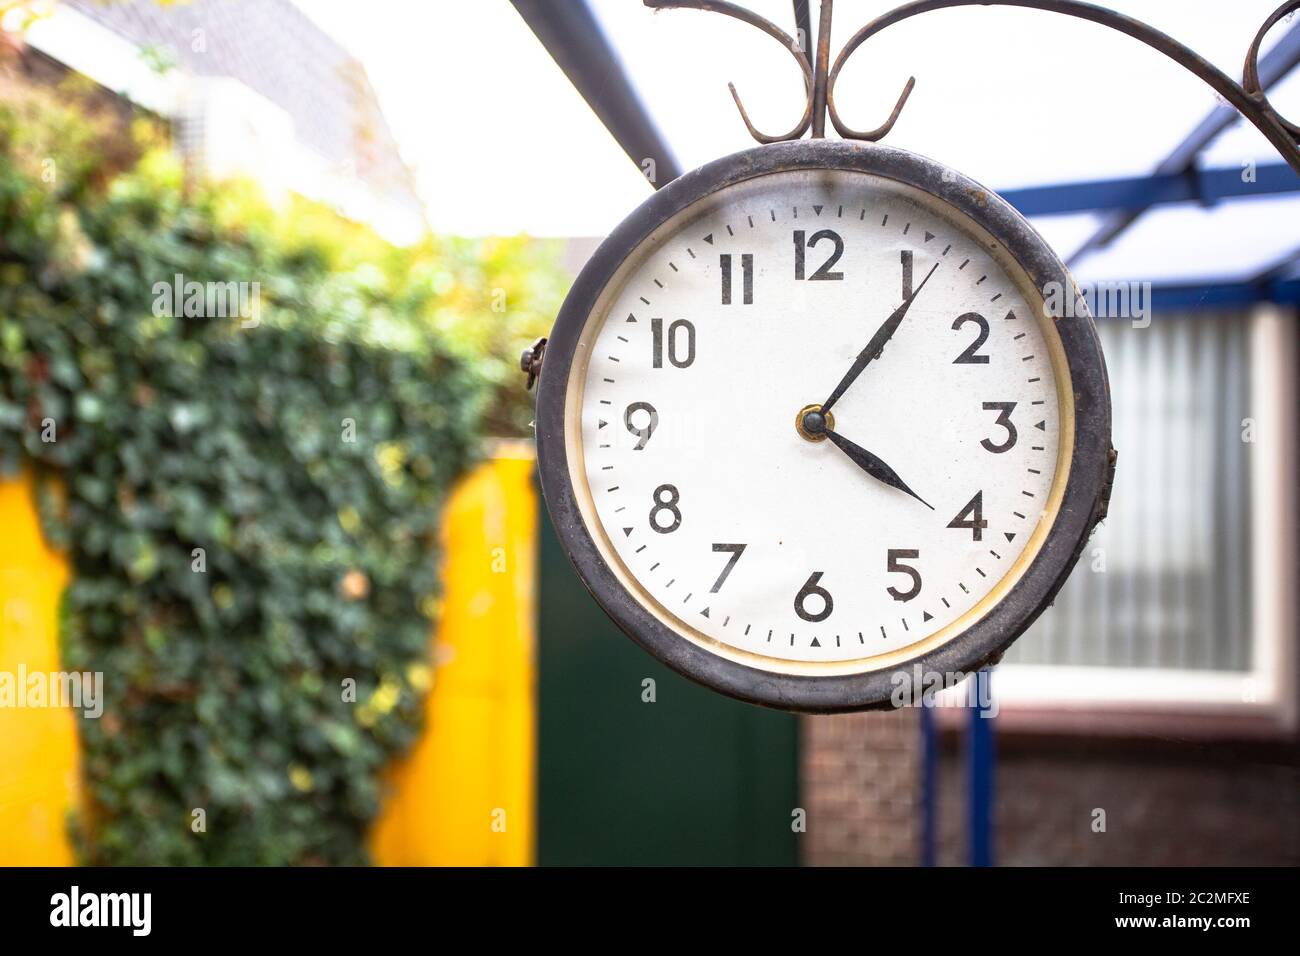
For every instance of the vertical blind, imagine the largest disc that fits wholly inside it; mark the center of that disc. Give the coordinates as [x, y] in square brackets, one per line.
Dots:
[1165, 581]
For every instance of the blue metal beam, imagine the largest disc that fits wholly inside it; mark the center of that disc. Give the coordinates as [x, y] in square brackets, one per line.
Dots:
[1274, 65]
[1224, 295]
[1139, 192]
[1173, 297]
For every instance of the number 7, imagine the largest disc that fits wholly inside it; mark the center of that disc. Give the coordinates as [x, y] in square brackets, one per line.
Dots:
[736, 551]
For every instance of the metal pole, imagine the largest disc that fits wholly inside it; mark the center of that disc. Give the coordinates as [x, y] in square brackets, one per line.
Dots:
[981, 753]
[573, 37]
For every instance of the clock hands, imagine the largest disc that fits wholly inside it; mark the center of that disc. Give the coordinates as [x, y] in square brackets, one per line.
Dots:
[872, 465]
[876, 345]
[816, 423]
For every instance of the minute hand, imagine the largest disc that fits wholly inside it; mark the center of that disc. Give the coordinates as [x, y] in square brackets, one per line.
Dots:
[876, 345]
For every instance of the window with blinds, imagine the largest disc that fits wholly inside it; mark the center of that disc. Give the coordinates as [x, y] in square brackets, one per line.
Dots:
[1166, 581]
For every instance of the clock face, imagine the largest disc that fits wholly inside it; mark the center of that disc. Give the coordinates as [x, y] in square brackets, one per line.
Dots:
[816, 423]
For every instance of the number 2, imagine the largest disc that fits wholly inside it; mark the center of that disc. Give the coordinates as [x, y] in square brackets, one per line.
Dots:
[971, 356]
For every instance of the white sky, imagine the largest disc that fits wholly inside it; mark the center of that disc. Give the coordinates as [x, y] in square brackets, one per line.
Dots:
[501, 143]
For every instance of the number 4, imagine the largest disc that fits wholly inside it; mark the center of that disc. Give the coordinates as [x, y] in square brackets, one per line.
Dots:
[976, 523]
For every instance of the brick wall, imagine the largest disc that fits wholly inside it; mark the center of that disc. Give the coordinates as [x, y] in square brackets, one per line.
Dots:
[860, 783]
[1167, 802]
[1171, 809]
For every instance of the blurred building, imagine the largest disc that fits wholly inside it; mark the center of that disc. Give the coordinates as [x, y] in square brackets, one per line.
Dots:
[252, 88]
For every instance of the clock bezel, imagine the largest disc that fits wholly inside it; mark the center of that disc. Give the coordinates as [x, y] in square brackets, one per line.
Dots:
[984, 640]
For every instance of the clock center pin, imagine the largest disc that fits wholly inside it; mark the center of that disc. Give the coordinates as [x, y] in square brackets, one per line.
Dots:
[811, 423]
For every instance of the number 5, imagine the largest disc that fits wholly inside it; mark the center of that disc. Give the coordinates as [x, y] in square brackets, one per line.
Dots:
[894, 564]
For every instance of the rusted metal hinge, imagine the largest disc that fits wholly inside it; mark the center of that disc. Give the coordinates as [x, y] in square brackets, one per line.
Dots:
[530, 361]
[1103, 506]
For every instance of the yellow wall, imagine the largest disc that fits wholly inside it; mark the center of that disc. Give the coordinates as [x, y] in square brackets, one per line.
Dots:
[38, 746]
[463, 796]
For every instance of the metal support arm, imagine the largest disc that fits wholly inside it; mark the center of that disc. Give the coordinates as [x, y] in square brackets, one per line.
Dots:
[1247, 97]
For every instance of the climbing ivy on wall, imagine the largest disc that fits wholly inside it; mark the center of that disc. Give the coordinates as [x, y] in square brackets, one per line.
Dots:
[249, 502]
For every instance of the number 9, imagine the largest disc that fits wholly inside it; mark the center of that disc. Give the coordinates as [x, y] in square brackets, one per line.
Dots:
[643, 434]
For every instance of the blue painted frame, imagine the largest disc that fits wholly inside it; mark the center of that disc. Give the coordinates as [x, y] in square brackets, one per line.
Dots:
[1206, 186]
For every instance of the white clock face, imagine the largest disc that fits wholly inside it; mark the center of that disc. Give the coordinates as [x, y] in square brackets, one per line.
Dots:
[742, 522]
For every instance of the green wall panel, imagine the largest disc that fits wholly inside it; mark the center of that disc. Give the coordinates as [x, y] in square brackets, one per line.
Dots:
[693, 778]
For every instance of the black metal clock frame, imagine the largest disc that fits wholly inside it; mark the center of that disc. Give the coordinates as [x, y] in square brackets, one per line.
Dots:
[1086, 493]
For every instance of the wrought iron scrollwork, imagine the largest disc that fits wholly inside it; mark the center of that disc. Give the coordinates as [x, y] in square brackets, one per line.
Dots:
[1247, 97]
[1250, 76]
[772, 30]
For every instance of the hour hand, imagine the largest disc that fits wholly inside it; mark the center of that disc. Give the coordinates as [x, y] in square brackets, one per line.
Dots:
[872, 465]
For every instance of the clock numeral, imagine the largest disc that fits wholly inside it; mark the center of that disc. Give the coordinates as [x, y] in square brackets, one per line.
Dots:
[824, 271]
[971, 356]
[746, 278]
[1004, 410]
[906, 257]
[674, 343]
[975, 522]
[642, 434]
[895, 564]
[666, 498]
[736, 551]
[811, 587]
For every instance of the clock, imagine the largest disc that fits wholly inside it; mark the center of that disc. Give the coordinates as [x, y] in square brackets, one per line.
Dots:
[821, 417]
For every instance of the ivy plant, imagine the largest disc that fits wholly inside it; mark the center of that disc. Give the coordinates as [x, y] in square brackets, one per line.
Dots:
[249, 507]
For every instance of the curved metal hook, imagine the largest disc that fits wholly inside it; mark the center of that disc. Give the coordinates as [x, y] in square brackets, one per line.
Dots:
[1250, 75]
[1250, 103]
[871, 136]
[772, 30]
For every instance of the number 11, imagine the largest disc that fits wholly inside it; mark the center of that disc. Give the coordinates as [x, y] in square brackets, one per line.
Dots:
[747, 278]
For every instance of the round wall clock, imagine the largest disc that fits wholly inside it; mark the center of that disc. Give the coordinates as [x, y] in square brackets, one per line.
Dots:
[806, 421]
